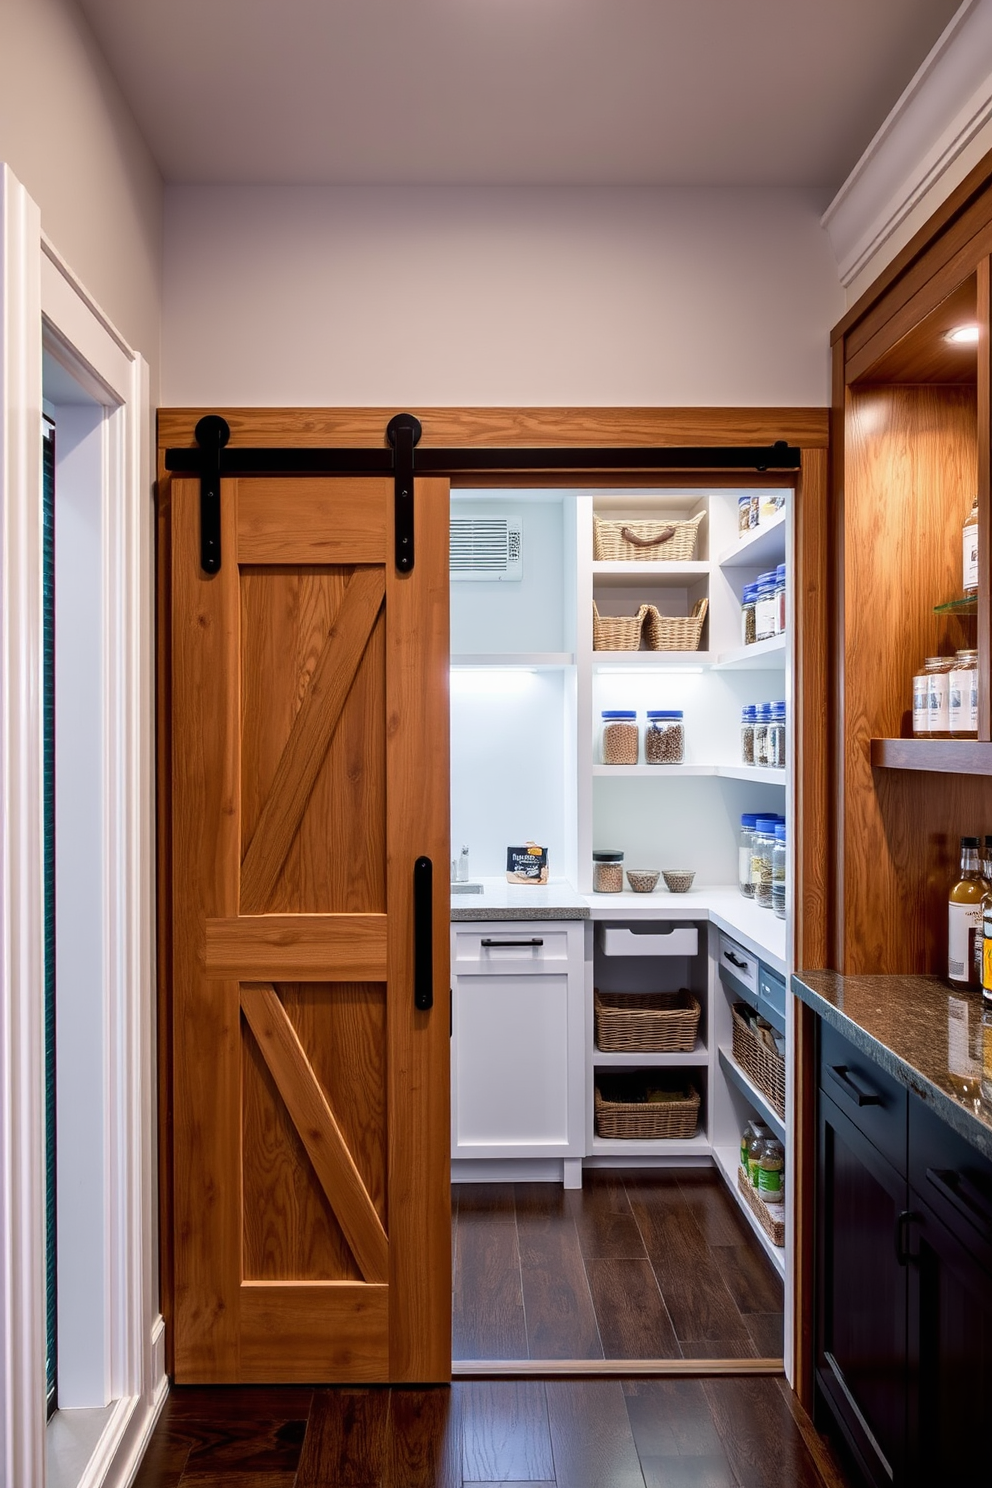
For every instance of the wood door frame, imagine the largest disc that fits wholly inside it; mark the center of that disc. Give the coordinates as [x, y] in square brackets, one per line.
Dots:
[522, 428]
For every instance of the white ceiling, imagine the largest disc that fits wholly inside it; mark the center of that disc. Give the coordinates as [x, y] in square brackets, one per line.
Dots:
[514, 92]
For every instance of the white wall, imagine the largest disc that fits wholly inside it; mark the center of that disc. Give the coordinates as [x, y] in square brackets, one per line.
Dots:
[71, 140]
[326, 296]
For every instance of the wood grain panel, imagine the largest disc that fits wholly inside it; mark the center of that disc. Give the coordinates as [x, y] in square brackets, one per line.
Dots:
[297, 948]
[314, 724]
[205, 1036]
[521, 427]
[418, 823]
[336, 1331]
[911, 472]
[296, 520]
[936, 756]
[424, 1440]
[335, 861]
[346, 1439]
[343, 1030]
[924, 354]
[812, 649]
[318, 1129]
[289, 1228]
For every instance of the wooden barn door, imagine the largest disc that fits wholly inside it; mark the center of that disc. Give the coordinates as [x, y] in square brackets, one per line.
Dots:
[310, 1096]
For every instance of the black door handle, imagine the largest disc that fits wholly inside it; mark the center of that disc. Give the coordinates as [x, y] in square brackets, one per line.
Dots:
[862, 1097]
[535, 940]
[423, 935]
[903, 1221]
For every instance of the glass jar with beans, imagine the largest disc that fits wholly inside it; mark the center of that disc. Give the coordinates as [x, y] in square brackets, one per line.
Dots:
[664, 737]
[619, 736]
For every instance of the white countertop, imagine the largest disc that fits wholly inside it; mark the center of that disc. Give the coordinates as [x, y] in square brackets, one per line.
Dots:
[758, 930]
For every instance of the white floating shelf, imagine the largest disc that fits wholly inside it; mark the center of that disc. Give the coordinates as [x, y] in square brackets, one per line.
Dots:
[651, 661]
[757, 1098]
[761, 655]
[698, 1146]
[657, 772]
[757, 774]
[698, 1058]
[766, 544]
[512, 659]
[656, 575]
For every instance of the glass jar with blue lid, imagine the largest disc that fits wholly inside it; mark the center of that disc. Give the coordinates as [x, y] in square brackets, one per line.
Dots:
[664, 737]
[619, 736]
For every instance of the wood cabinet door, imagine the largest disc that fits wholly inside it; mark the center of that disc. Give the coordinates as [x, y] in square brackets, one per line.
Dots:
[862, 1295]
[310, 1096]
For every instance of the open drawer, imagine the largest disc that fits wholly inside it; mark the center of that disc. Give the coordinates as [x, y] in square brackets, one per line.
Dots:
[653, 940]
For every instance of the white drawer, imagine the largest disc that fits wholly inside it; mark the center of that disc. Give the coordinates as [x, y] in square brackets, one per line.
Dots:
[507, 947]
[620, 940]
[739, 962]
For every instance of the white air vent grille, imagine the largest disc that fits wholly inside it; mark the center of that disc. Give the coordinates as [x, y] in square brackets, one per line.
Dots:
[486, 548]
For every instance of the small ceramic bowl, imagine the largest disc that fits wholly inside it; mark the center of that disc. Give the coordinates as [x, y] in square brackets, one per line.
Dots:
[679, 880]
[642, 880]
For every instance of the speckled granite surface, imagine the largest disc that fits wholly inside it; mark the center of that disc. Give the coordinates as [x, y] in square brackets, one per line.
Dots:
[917, 1030]
[500, 900]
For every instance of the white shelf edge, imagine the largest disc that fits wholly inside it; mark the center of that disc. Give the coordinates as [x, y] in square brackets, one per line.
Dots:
[619, 575]
[512, 658]
[665, 661]
[757, 1097]
[698, 1058]
[673, 1146]
[754, 773]
[770, 652]
[748, 551]
[759, 774]
[727, 1160]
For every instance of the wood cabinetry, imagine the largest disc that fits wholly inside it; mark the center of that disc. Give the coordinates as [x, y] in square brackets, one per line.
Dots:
[904, 1250]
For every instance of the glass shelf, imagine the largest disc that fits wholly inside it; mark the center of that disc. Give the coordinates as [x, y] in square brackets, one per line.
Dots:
[966, 605]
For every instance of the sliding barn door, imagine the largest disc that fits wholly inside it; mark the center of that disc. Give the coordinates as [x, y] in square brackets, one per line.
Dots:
[310, 1096]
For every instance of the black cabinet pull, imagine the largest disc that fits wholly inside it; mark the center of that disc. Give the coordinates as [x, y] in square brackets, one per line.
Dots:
[963, 1194]
[535, 940]
[423, 935]
[735, 960]
[851, 1088]
[903, 1221]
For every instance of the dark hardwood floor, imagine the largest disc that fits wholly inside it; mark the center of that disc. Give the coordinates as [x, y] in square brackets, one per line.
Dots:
[659, 1433]
[639, 1266]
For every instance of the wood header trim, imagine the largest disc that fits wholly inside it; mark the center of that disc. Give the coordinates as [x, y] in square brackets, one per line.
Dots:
[305, 948]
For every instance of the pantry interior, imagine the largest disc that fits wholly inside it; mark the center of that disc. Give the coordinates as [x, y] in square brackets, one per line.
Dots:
[534, 1075]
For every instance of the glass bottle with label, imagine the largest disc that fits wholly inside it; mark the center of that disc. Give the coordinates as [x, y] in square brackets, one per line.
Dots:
[962, 696]
[921, 704]
[969, 551]
[964, 919]
[776, 737]
[938, 675]
[987, 947]
[771, 1171]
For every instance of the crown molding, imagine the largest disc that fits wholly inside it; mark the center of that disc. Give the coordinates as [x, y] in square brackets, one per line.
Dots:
[913, 153]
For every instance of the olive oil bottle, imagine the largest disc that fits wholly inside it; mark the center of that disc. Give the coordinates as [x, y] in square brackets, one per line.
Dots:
[964, 919]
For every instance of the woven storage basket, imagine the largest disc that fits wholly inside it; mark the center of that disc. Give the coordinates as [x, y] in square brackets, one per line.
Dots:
[765, 1067]
[644, 542]
[617, 632]
[764, 1213]
[646, 1022]
[675, 632]
[640, 1119]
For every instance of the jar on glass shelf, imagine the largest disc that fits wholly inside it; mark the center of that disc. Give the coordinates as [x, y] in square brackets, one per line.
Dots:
[745, 841]
[619, 736]
[938, 696]
[762, 847]
[969, 551]
[664, 737]
[749, 632]
[607, 871]
[779, 858]
[962, 696]
[747, 734]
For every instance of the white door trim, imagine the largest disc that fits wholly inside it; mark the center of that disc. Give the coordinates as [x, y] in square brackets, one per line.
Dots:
[41, 300]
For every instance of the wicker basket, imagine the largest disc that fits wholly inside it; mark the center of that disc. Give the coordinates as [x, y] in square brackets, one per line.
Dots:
[675, 632]
[624, 1113]
[640, 542]
[617, 632]
[646, 1022]
[773, 1226]
[763, 1065]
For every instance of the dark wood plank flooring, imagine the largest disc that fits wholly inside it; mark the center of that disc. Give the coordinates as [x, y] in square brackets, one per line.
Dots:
[657, 1433]
[639, 1266]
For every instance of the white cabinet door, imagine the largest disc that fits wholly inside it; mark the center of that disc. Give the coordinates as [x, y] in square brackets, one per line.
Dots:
[517, 1040]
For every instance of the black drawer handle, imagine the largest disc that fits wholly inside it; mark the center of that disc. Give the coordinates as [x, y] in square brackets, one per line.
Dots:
[903, 1253]
[535, 940]
[962, 1194]
[852, 1089]
[735, 960]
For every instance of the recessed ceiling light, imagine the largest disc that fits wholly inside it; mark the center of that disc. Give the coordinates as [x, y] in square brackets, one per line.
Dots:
[965, 335]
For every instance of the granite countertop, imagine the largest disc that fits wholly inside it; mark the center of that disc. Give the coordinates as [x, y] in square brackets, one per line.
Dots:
[919, 1031]
[500, 900]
